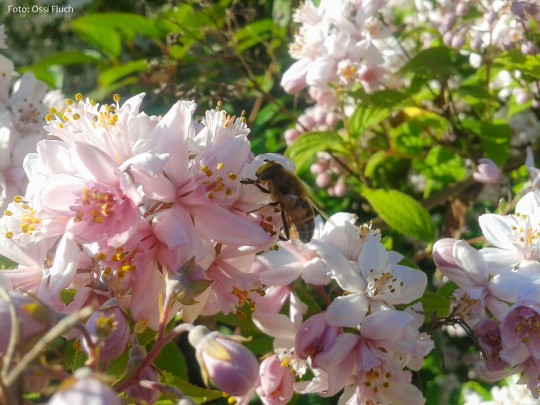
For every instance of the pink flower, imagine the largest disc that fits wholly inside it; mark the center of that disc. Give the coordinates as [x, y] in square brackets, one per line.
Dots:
[109, 329]
[489, 340]
[326, 345]
[520, 329]
[487, 172]
[480, 286]
[93, 201]
[276, 382]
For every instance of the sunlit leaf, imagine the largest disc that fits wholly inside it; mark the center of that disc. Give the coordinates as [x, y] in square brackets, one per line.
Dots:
[402, 213]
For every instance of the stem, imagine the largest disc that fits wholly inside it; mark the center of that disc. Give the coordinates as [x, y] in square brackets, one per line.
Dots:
[14, 333]
[131, 377]
[57, 330]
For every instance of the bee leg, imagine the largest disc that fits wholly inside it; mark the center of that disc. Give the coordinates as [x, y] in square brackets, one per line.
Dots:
[254, 182]
[285, 226]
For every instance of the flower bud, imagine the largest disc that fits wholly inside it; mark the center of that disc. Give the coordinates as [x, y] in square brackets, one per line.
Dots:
[108, 327]
[145, 395]
[224, 361]
[34, 319]
[462, 9]
[323, 180]
[529, 48]
[137, 354]
[84, 388]
[487, 172]
[458, 40]
[290, 135]
[448, 37]
[276, 382]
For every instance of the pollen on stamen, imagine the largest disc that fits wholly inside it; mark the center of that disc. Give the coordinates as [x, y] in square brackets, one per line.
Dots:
[220, 165]
[116, 98]
[53, 110]
[48, 118]
[8, 213]
[232, 176]
[9, 235]
[78, 97]
[219, 104]
[69, 101]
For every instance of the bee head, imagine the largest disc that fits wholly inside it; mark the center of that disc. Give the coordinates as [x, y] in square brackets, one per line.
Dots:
[268, 170]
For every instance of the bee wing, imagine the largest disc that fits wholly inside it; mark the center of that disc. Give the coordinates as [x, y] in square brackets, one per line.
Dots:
[299, 216]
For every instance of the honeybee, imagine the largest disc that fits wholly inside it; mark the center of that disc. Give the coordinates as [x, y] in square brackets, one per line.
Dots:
[287, 191]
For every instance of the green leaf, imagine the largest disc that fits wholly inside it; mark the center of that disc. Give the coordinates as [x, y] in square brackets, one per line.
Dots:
[307, 145]
[496, 138]
[200, 395]
[442, 165]
[528, 65]
[103, 38]
[431, 62]
[171, 359]
[402, 213]
[365, 117]
[437, 304]
[109, 76]
[106, 31]
[256, 33]
[476, 94]
[374, 161]
[71, 58]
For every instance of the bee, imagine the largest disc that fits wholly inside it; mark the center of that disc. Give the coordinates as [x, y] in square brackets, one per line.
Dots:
[287, 191]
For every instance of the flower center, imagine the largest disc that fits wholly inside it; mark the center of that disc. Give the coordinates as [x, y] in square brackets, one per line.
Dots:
[94, 206]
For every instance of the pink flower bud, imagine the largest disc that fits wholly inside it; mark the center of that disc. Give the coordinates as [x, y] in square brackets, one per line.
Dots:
[290, 135]
[85, 388]
[462, 9]
[34, 319]
[224, 361]
[487, 172]
[276, 382]
[108, 327]
[323, 180]
[146, 395]
[305, 123]
[529, 48]
[332, 119]
[340, 189]
[294, 79]
[448, 37]
[318, 168]
[137, 355]
[458, 40]
[443, 253]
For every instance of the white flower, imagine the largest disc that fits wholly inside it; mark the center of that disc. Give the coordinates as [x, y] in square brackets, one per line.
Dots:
[515, 238]
[374, 281]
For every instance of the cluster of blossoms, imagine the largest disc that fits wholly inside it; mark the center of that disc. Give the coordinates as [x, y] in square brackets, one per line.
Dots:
[142, 218]
[141, 210]
[349, 44]
[498, 290]
[360, 343]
